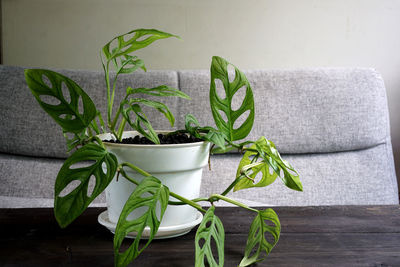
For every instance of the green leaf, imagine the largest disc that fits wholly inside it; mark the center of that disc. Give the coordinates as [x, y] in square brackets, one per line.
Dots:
[215, 136]
[231, 147]
[161, 107]
[67, 208]
[219, 71]
[270, 154]
[76, 140]
[65, 113]
[251, 168]
[210, 229]
[269, 159]
[132, 41]
[191, 125]
[212, 135]
[162, 90]
[218, 150]
[130, 64]
[148, 195]
[139, 121]
[257, 241]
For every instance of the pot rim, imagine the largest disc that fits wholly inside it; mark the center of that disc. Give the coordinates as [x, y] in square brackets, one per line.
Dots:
[133, 133]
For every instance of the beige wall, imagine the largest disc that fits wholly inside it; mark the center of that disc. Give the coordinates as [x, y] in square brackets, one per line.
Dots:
[252, 34]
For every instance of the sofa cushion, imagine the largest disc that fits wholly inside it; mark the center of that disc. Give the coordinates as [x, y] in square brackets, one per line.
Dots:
[25, 178]
[307, 110]
[360, 177]
[28, 130]
[332, 124]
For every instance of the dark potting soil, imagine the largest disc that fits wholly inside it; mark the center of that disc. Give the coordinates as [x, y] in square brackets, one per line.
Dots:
[177, 138]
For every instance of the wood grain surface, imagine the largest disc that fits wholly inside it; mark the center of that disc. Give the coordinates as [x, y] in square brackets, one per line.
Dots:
[311, 236]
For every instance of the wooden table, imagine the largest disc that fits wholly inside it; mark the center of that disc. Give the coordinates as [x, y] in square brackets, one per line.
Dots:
[311, 236]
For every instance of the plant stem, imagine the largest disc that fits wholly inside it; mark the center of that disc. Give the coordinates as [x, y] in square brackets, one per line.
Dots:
[242, 147]
[94, 127]
[229, 188]
[177, 132]
[102, 124]
[187, 201]
[109, 106]
[226, 199]
[98, 140]
[113, 91]
[135, 168]
[121, 129]
[114, 133]
[115, 120]
[129, 178]
[178, 203]
[144, 173]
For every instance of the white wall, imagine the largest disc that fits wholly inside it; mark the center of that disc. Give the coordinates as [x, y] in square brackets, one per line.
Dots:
[252, 34]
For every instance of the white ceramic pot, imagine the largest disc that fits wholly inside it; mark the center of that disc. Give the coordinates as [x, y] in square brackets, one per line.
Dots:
[177, 166]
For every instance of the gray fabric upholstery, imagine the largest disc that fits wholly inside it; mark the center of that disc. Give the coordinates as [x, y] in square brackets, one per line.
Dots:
[29, 181]
[340, 178]
[29, 202]
[28, 130]
[306, 111]
[331, 124]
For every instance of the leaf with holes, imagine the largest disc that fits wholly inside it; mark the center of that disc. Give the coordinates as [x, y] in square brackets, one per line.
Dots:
[75, 140]
[67, 208]
[250, 167]
[137, 39]
[210, 229]
[212, 135]
[130, 64]
[215, 137]
[149, 194]
[162, 90]
[219, 71]
[65, 113]
[270, 154]
[257, 241]
[161, 107]
[141, 119]
[191, 125]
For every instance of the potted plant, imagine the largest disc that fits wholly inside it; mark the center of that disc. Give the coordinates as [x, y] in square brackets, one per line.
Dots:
[177, 166]
[96, 145]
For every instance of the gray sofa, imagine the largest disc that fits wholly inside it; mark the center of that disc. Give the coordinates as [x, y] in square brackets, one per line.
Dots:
[331, 124]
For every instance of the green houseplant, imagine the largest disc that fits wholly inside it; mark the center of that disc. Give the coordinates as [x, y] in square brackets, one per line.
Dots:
[82, 124]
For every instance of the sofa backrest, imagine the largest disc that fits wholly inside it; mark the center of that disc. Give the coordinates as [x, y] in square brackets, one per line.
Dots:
[302, 111]
[308, 110]
[27, 130]
[332, 124]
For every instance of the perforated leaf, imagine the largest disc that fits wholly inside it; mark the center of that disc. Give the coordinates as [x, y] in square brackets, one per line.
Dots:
[149, 194]
[132, 41]
[192, 124]
[75, 140]
[212, 135]
[269, 162]
[161, 107]
[210, 230]
[215, 137]
[219, 71]
[129, 64]
[64, 109]
[67, 208]
[139, 122]
[257, 241]
[251, 168]
[270, 154]
[162, 90]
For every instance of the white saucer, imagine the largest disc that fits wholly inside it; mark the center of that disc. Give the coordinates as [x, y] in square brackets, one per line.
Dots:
[163, 232]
